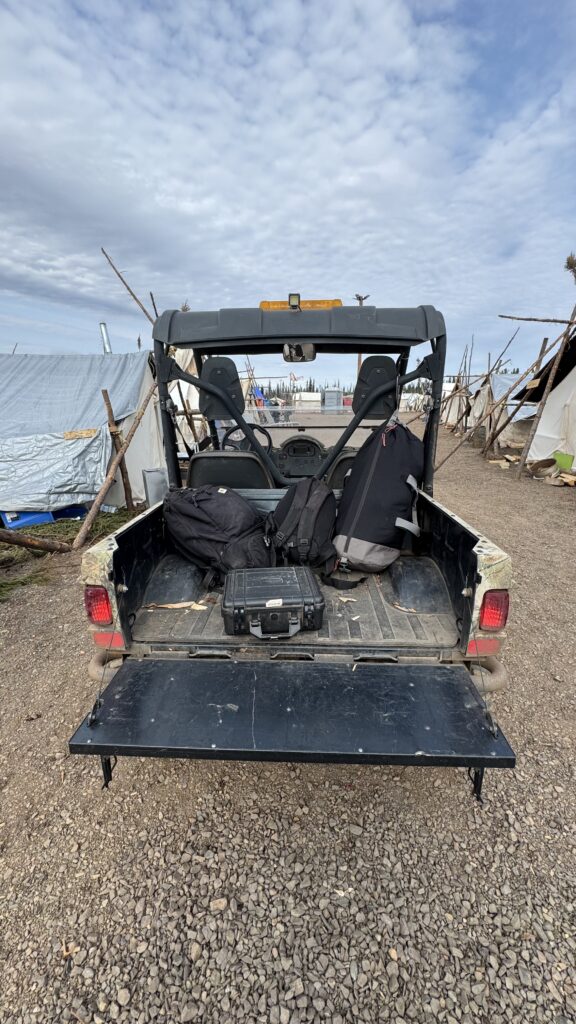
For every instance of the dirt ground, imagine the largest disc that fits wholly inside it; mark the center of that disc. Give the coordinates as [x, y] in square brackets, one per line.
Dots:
[246, 892]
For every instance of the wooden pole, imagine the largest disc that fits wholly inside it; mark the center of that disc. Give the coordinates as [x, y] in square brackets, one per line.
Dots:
[499, 427]
[467, 376]
[538, 319]
[153, 301]
[116, 441]
[23, 540]
[109, 480]
[502, 400]
[127, 287]
[503, 352]
[540, 354]
[498, 430]
[566, 338]
[360, 300]
[187, 414]
[468, 367]
[463, 415]
[492, 368]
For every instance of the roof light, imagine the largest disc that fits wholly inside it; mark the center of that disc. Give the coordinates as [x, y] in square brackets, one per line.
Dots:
[494, 610]
[97, 605]
[276, 306]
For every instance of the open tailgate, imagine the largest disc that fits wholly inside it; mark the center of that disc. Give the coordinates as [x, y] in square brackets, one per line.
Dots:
[294, 711]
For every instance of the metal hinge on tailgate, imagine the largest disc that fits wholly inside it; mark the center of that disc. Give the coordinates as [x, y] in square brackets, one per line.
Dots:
[419, 659]
[377, 658]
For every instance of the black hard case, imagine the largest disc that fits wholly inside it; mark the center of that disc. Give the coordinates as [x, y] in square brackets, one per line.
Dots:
[272, 603]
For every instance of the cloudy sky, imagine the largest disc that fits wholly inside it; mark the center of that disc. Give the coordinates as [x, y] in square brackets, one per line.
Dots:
[422, 151]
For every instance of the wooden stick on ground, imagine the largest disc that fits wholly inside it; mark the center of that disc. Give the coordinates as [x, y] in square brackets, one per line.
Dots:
[109, 480]
[501, 401]
[566, 338]
[127, 287]
[23, 540]
[116, 441]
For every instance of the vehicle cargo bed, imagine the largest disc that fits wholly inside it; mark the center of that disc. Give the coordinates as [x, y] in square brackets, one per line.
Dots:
[407, 606]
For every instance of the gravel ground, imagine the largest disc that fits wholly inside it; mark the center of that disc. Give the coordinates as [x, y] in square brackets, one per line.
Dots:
[257, 893]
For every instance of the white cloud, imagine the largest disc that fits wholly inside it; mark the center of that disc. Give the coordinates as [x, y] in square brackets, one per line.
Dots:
[224, 152]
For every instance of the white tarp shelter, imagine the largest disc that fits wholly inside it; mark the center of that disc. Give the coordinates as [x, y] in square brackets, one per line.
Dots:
[493, 388]
[182, 390]
[557, 428]
[307, 399]
[412, 401]
[55, 445]
[454, 404]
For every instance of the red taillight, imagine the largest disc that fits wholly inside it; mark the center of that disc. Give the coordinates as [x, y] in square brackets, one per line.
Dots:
[97, 605]
[494, 610]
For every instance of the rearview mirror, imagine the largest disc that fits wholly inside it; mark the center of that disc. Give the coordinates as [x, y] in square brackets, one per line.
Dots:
[299, 352]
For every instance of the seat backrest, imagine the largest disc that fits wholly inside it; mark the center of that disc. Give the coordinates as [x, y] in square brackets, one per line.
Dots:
[240, 470]
[221, 371]
[376, 370]
[339, 469]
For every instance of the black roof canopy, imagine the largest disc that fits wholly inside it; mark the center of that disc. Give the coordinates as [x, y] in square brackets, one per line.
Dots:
[342, 328]
[565, 366]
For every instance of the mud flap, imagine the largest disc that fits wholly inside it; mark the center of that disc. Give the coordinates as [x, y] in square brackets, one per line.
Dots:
[273, 711]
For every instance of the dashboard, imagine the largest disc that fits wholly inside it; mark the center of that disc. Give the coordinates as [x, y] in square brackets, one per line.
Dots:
[300, 456]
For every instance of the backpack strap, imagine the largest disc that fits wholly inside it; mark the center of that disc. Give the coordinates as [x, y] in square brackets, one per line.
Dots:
[405, 524]
[305, 534]
[342, 584]
[289, 524]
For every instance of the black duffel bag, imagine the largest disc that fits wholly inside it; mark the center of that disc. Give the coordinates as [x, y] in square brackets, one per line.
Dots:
[216, 528]
[378, 506]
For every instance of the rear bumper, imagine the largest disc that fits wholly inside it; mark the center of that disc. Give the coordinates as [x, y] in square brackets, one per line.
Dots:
[429, 715]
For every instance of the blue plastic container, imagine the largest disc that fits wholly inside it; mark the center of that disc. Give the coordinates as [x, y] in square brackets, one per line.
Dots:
[21, 520]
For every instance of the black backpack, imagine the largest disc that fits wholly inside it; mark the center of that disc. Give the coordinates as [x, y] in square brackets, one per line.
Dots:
[378, 505]
[301, 527]
[216, 528]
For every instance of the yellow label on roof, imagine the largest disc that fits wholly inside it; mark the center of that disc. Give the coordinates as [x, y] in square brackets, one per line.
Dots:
[272, 307]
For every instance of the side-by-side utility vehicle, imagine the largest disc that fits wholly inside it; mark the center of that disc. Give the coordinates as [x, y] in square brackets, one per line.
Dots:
[402, 668]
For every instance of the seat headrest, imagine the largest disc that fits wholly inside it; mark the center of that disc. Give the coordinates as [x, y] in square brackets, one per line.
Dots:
[220, 371]
[376, 370]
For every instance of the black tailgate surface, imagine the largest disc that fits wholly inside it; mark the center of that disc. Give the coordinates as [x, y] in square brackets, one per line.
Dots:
[294, 711]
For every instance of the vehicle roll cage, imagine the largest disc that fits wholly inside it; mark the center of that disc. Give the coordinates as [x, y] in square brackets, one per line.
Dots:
[430, 368]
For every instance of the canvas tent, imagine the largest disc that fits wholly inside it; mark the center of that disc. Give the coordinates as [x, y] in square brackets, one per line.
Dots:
[182, 391]
[494, 387]
[557, 428]
[412, 401]
[455, 397]
[54, 440]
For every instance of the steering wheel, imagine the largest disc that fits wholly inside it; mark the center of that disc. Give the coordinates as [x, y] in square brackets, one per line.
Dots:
[238, 445]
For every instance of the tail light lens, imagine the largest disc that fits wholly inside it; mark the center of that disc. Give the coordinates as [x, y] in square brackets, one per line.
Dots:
[97, 605]
[494, 610]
